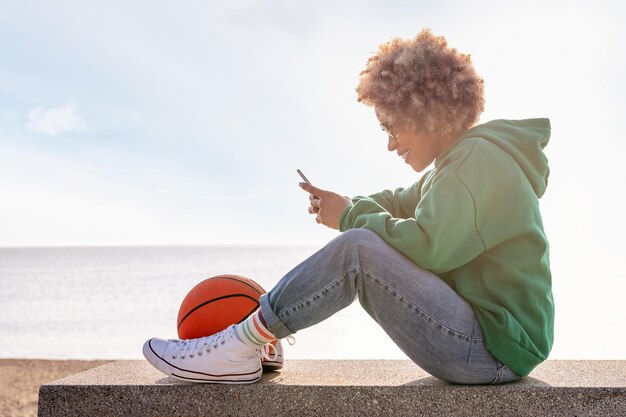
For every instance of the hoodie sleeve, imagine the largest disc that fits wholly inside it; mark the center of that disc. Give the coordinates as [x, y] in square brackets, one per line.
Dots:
[442, 235]
[399, 203]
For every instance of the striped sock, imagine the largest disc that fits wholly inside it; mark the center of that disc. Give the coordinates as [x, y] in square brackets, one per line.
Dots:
[253, 332]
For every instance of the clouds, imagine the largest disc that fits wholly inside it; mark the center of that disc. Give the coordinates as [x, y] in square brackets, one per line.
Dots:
[240, 94]
[55, 120]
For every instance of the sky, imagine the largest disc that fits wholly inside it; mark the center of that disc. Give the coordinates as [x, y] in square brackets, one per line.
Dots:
[153, 122]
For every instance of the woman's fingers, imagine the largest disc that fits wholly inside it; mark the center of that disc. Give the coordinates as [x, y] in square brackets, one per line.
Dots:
[314, 208]
[334, 204]
[314, 204]
[311, 189]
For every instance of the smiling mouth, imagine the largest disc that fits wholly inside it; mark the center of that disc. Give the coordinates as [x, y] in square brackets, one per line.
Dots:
[404, 154]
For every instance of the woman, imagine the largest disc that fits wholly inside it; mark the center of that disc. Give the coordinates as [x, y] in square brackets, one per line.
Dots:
[454, 268]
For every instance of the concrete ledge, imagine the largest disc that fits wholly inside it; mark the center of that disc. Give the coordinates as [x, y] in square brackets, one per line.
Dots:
[339, 388]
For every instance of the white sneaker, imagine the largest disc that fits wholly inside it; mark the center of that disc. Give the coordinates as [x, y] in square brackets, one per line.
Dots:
[273, 358]
[220, 359]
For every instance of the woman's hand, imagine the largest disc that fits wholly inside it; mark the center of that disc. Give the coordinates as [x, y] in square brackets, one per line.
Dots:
[326, 205]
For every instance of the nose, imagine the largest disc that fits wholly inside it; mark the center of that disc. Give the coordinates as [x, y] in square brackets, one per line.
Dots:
[391, 143]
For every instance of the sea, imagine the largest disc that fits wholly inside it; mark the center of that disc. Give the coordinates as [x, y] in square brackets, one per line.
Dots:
[104, 302]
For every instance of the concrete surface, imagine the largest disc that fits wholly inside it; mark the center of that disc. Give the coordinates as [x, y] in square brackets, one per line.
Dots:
[340, 388]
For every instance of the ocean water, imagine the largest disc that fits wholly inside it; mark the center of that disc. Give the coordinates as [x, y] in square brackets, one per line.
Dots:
[104, 302]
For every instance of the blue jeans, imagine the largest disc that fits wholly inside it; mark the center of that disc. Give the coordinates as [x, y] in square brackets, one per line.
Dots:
[434, 326]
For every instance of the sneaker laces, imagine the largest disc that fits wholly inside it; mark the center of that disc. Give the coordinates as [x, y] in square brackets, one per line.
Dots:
[192, 347]
[264, 353]
[269, 352]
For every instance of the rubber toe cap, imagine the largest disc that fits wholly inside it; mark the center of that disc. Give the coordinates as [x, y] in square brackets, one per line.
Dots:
[154, 347]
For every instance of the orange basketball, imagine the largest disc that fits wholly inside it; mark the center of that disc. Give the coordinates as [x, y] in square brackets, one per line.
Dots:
[216, 303]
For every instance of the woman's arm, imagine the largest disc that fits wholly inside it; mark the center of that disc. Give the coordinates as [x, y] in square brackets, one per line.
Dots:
[400, 203]
[440, 236]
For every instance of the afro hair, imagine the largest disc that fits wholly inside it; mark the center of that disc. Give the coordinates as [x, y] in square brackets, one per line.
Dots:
[423, 84]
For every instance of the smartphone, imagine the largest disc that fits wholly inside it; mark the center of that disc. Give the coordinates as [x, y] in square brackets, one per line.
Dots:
[303, 177]
[306, 180]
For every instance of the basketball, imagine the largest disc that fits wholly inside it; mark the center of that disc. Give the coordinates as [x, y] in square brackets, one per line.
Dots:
[216, 303]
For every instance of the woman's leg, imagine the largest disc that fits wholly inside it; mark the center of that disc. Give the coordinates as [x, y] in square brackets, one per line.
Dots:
[426, 318]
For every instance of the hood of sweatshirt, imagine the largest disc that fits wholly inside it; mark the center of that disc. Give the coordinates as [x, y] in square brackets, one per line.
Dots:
[524, 140]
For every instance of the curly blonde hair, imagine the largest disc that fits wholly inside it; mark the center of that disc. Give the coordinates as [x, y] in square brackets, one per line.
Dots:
[423, 84]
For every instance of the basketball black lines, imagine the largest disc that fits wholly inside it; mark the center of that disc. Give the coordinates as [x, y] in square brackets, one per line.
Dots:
[217, 299]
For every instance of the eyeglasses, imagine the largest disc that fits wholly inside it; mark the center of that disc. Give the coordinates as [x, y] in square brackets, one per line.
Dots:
[387, 131]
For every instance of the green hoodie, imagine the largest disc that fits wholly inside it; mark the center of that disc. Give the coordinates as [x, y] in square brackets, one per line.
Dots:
[474, 220]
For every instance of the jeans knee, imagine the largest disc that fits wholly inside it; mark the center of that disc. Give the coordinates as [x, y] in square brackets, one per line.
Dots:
[361, 242]
[359, 235]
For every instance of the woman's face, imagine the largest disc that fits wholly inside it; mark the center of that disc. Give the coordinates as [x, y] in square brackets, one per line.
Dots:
[419, 152]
